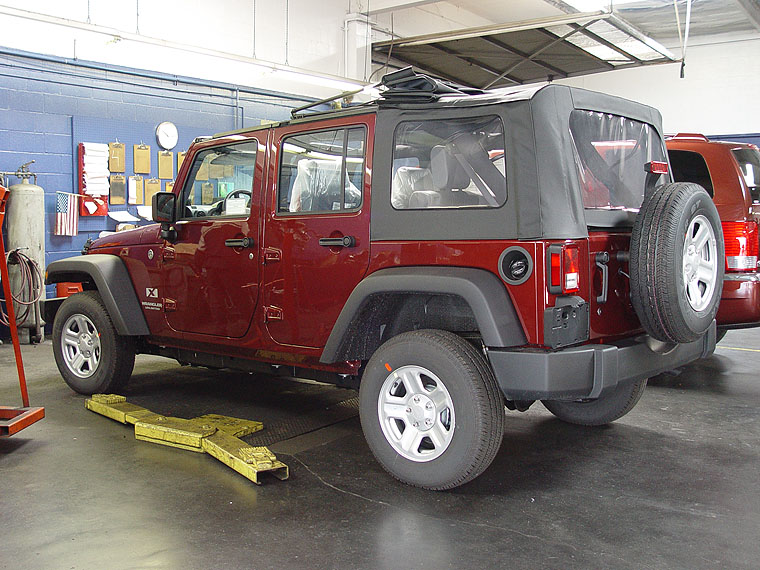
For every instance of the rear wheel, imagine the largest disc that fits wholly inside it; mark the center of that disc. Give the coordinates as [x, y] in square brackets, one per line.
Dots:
[431, 410]
[610, 406]
[91, 356]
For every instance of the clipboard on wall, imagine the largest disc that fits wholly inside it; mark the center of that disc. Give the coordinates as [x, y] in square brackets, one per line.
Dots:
[180, 159]
[166, 164]
[152, 186]
[116, 157]
[141, 158]
[135, 190]
[118, 189]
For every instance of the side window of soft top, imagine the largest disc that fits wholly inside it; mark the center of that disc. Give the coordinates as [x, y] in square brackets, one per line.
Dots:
[220, 182]
[322, 171]
[449, 163]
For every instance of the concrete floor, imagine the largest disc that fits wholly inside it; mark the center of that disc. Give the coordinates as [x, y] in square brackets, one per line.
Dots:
[674, 484]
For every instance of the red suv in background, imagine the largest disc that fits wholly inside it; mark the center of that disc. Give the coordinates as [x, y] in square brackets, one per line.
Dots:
[730, 172]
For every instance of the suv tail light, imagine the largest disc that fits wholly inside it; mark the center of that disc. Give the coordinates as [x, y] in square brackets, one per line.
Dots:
[564, 269]
[741, 246]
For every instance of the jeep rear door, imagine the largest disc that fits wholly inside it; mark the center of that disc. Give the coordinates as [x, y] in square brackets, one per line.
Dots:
[316, 234]
[211, 272]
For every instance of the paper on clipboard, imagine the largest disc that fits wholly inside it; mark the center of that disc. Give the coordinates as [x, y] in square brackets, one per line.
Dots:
[165, 164]
[216, 171]
[207, 193]
[152, 186]
[118, 189]
[135, 187]
[141, 158]
[116, 156]
[202, 173]
[180, 158]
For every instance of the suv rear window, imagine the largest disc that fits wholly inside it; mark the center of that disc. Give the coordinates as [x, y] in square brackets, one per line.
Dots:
[689, 166]
[449, 163]
[610, 153]
[749, 162]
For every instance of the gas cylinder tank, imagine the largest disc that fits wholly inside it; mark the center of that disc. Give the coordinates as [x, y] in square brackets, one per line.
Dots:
[25, 224]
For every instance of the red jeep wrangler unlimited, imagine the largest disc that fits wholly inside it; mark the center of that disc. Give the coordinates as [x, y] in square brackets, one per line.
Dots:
[451, 253]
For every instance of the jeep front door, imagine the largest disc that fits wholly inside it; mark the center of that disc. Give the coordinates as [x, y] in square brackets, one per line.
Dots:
[211, 272]
[316, 239]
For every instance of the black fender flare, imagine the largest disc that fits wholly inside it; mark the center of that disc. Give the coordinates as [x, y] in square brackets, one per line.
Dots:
[483, 291]
[111, 278]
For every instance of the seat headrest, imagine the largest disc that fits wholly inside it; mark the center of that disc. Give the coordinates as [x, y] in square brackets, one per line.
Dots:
[447, 173]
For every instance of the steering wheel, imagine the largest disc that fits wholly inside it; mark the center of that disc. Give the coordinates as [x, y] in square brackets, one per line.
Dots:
[236, 193]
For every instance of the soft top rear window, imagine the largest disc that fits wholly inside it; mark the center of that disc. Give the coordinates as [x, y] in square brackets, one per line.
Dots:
[610, 153]
[749, 162]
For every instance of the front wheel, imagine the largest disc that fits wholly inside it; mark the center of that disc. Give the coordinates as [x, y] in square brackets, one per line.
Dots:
[91, 356]
[431, 410]
[610, 406]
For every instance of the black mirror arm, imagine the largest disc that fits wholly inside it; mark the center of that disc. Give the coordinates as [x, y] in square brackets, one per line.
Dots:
[168, 232]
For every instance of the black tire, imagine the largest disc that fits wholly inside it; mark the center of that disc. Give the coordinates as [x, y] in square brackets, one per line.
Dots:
[661, 295]
[81, 317]
[720, 333]
[475, 418]
[609, 407]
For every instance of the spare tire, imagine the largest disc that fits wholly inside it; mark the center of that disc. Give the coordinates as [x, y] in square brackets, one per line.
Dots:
[677, 262]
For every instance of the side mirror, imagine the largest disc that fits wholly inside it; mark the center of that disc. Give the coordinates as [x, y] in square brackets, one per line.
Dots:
[164, 212]
[163, 207]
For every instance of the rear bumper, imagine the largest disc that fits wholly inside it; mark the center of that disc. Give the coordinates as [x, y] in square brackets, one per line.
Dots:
[586, 371]
[740, 301]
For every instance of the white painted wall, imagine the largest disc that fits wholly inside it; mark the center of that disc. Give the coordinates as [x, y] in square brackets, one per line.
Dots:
[720, 93]
[239, 39]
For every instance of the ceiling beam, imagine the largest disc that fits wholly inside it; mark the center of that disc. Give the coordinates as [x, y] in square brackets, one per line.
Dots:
[599, 39]
[752, 9]
[383, 6]
[581, 19]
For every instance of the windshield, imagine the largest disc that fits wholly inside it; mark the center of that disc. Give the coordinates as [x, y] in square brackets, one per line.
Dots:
[610, 153]
[749, 163]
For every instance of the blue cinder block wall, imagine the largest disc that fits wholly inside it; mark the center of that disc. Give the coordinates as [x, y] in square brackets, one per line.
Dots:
[48, 105]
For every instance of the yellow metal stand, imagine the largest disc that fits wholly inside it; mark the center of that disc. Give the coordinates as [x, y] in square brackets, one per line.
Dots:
[213, 434]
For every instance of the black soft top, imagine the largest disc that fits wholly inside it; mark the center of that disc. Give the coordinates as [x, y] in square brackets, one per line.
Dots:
[544, 194]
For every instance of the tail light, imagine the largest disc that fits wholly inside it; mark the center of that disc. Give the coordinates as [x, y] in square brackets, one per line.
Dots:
[741, 246]
[564, 269]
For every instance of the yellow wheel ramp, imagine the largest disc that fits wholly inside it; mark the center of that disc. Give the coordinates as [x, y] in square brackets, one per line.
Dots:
[213, 434]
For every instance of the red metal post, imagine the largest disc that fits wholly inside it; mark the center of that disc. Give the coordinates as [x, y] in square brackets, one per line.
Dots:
[9, 302]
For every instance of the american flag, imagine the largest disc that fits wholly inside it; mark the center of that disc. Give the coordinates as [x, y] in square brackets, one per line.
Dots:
[66, 214]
